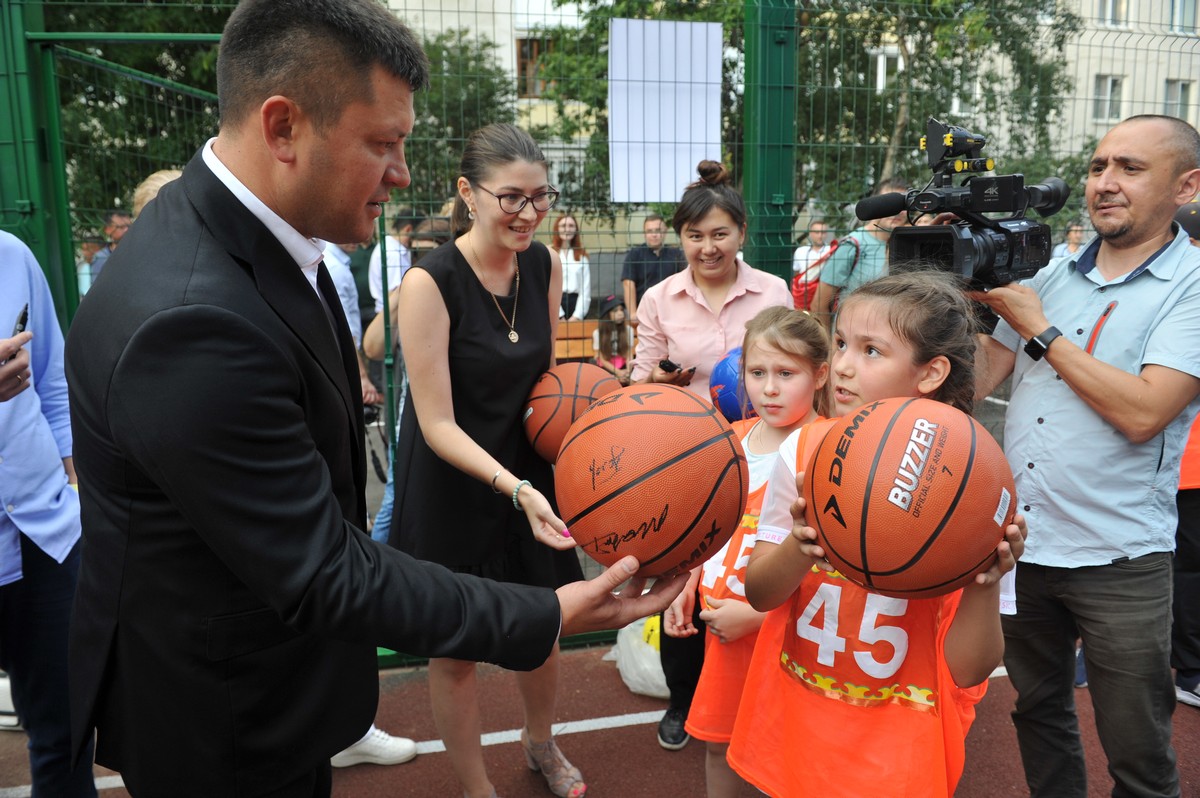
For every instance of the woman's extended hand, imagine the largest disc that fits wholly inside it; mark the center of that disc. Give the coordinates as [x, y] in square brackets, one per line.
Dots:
[547, 527]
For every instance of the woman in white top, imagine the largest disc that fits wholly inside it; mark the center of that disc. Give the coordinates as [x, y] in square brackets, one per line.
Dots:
[577, 277]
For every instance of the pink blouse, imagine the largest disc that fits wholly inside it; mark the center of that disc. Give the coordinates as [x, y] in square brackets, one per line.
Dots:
[674, 321]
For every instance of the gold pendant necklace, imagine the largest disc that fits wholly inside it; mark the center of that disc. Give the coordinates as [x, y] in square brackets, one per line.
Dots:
[512, 333]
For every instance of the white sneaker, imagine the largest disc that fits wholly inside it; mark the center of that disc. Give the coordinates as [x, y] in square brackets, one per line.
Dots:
[377, 748]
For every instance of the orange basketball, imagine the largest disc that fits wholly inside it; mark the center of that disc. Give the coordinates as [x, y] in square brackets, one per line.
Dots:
[558, 398]
[653, 471]
[909, 497]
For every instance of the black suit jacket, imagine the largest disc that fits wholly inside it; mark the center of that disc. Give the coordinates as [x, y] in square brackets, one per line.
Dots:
[228, 606]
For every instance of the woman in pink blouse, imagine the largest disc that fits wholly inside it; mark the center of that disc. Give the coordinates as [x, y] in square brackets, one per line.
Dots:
[695, 317]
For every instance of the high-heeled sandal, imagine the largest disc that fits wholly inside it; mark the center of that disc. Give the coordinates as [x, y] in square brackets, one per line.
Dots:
[563, 778]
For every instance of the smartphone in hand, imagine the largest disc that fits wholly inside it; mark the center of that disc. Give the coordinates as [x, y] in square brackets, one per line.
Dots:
[19, 327]
[22, 320]
[668, 366]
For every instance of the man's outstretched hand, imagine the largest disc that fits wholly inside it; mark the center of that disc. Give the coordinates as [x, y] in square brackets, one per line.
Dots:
[593, 605]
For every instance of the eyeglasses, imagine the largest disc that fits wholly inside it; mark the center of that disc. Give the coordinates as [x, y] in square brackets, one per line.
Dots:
[515, 203]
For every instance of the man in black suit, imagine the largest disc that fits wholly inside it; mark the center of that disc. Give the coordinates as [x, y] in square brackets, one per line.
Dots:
[228, 608]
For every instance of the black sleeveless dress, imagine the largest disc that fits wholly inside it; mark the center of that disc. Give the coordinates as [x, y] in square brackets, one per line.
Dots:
[442, 514]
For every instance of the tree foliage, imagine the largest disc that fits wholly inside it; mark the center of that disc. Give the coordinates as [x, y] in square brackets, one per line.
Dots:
[468, 89]
[1000, 64]
[118, 126]
[577, 67]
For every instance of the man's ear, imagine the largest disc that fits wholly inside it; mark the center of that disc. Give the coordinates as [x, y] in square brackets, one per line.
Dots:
[280, 119]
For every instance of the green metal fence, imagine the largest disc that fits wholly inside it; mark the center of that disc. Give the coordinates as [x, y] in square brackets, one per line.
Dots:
[816, 100]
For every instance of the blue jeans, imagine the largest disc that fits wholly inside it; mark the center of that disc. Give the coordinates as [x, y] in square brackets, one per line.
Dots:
[1123, 613]
[35, 612]
[383, 519]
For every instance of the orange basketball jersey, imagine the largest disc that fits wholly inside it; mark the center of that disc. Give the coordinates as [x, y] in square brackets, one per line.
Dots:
[848, 691]
[723, 576]
[1189, 469]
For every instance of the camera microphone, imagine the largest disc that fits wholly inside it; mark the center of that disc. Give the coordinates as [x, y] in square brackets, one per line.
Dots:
[881, 206]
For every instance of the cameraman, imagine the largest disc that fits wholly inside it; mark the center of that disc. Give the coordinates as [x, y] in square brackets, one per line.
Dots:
[1116, 389]
[860, 257]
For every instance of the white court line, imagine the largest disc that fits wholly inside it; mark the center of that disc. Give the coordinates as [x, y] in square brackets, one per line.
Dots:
[491, 738]
[557, 729]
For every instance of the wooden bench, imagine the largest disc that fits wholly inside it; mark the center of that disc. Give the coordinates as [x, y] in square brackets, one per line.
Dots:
[574, 340]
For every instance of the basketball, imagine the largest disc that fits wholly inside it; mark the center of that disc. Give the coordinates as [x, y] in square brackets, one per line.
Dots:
[909, 497]
[725, 387]
[652, 471]
[558, 398]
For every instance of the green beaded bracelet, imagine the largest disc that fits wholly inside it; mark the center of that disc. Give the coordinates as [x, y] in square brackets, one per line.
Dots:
[517, 490]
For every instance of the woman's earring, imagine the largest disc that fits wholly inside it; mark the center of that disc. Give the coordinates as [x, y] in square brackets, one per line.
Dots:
[471, 215]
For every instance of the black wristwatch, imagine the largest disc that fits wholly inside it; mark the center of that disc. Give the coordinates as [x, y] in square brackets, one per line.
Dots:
[1039, 344]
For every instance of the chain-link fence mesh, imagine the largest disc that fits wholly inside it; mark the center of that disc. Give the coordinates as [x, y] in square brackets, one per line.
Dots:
[1042, 80]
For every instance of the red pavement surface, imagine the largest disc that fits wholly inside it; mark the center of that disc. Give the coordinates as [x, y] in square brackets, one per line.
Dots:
[627, 762]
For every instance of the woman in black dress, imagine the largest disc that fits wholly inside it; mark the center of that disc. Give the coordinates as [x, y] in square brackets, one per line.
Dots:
[477, 319]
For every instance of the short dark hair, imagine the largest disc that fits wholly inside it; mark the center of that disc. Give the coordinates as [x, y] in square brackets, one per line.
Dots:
[892, 184]
[712, 190]
[111, 215]
[406, 216]
[1184, 141]
[319, 53]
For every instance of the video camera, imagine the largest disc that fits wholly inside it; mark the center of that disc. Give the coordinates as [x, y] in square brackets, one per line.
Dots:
[988, 252]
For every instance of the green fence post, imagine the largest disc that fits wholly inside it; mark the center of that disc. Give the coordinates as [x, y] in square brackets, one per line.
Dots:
[25, 174]
[770, 146]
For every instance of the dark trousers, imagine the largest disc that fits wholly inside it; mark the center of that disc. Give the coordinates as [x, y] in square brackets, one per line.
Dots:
[1122, 612]
[1185, 609]
[35, 613]
[682, 658]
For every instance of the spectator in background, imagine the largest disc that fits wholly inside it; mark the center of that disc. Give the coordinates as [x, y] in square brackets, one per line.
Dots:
[807, 261]
[88, 247]
[577, 276]
[337, 262]
[39, 525]
[648, 264]
[1116, 387]
[116, 222]
[148, 189]
[428, 236]
[1073, 244]
[398, 257]
[861, 256]
[1185, 606]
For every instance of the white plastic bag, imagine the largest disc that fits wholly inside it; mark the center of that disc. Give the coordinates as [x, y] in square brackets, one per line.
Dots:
[637, 658]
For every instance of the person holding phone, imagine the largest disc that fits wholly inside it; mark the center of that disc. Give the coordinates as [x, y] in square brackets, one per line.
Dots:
[688, 322]
[39, 523]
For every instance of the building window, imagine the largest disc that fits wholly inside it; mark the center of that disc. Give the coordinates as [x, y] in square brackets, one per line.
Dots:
[1107, 104]
[1183, 15]
[1114, 12]
[888, 64]
[1179, 99]
[529, 79]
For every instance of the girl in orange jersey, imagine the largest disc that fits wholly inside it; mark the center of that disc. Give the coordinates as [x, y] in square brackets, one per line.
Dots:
[784, 372]
[851, 693]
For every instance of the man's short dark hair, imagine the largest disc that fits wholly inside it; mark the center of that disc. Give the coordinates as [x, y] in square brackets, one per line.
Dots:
[1184, 141]
[892, 184]
[112, 214]
[405, 217]
[319, 53]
